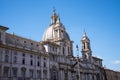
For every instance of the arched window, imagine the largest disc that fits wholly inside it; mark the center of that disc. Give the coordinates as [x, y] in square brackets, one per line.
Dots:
[84, 45]
[23, 61]
[31, 62]
[38, 63]
[44, 64]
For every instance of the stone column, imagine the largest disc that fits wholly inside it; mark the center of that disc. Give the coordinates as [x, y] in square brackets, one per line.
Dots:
[81, 76]
[27, 73]
[86, 77]
[18, 72]
[90, 76]
[62, 75]
[41, 59]
[69, 75]
[48, 69]
[94, 76]
[1, 71]
[58, 33]
[85, 45]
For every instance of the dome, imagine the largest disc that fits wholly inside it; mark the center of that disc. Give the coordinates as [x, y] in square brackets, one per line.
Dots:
[55, 32]
[48, 34]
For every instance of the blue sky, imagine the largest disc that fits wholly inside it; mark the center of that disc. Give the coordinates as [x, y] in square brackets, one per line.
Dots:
[99, 18]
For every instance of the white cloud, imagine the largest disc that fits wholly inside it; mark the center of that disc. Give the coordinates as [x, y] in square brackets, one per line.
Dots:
[116, 62]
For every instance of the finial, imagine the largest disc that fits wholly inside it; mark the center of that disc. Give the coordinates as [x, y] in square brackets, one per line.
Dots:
[84, 33]
[54, 9]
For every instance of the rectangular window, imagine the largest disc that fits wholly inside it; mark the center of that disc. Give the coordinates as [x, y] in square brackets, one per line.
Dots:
[52, 48]
[63, 50]
[31, 73]
[14, 70]
[23, 72]
[6, 58]
[56, 49]
[6, 70]
[44, 74]
[15, 59]
[38, 73]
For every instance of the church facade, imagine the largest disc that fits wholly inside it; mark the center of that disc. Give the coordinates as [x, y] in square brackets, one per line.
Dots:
[50, 59]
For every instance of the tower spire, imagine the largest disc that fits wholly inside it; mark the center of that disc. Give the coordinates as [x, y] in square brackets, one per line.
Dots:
[86, 49]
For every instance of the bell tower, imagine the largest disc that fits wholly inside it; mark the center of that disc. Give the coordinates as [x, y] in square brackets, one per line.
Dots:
[86, 49]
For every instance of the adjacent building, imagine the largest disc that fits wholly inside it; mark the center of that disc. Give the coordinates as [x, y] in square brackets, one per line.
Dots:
[111, 74]
[50, 59]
